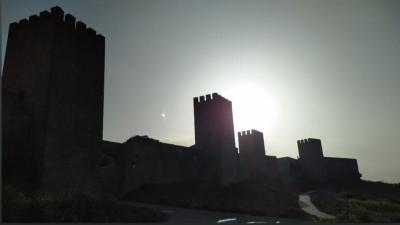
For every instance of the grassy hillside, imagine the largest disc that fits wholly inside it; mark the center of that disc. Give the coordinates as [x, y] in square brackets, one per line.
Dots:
[366, 202]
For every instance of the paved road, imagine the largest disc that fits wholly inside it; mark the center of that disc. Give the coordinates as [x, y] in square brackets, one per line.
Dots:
[183, 215]
[307, 206]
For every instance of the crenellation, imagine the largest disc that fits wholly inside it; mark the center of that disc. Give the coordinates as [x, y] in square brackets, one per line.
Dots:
[242, 133]
[302, 141]
[70, 20]
[256, 132]
[249, 132]
[218, 97]
[91, 32]
[214, 97]
[100, 38]
[80, 26]
[57, 13]
[44, 14]
[13, 26]
[308, 140]
[34, 18]
[24, 22]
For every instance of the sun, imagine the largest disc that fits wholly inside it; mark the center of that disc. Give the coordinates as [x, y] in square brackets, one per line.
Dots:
[253, 107]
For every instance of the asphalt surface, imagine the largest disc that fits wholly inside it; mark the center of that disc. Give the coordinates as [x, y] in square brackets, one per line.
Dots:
[184, 215]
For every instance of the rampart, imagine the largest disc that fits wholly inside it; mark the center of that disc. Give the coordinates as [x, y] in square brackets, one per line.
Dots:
[52, 124]
[141, 160]
[342, 170]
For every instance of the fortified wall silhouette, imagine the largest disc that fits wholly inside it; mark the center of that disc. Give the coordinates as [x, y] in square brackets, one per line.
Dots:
[312, 159]
[52, 92]
[213, 160]
[52, 98]
[252, 154]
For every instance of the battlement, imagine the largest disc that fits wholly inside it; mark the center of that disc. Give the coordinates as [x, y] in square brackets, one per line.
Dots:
[310, 147]
[249, 132]
[209, 98]
[251, 152]
[213, 124]
[57, 14]
[308, 140]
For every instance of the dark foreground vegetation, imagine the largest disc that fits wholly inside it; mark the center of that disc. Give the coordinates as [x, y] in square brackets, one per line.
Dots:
[243, 197]
[70, 207]
[364, 202]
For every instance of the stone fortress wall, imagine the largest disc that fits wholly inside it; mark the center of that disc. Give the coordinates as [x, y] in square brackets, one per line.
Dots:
[52, 96]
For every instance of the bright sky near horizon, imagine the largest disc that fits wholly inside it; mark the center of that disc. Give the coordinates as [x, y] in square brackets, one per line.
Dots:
[292, 69]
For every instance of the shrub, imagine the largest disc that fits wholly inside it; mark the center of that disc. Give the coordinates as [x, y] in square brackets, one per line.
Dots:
[356, 207]
[70, 206]
[17, 207]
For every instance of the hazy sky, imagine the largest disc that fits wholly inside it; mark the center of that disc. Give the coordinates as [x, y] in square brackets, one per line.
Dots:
[293, 69]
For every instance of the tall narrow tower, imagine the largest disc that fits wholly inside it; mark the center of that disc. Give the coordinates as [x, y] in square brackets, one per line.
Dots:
[52, 90]
[312, 160]
[252, 154]
[214, 135]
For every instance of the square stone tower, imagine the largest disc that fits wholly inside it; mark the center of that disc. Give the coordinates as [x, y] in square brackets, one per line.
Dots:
[252, 154]
[52, 109]
[312, 160]
[215, 136]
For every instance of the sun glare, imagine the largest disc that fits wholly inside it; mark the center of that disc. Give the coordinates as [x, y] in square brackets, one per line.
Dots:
[253, 107]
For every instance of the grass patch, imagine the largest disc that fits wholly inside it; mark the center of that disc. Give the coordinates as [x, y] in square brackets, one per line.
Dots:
[359, 207]
[70, 206]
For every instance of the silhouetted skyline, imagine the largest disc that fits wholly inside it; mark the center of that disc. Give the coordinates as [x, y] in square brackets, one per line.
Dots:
[314, 69]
